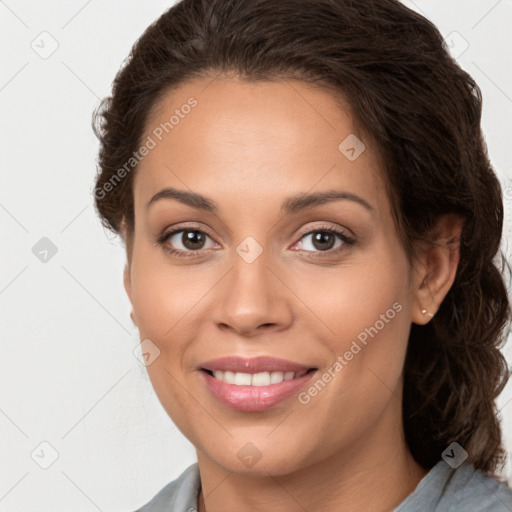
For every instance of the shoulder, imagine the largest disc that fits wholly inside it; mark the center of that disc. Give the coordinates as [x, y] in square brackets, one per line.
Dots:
[471, 489]
[180, 495]
[462, 489]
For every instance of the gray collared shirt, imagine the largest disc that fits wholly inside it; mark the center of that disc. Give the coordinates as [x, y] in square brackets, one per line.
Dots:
[442, 489]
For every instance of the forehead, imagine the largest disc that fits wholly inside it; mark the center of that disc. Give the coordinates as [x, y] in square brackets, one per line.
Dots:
[255, 138]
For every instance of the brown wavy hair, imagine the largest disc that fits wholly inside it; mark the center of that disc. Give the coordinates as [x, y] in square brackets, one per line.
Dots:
[423, 113]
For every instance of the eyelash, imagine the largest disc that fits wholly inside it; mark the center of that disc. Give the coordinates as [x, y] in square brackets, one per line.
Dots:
[162, 241]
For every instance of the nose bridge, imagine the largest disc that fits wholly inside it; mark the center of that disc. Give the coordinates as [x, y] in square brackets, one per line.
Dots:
[252, 297]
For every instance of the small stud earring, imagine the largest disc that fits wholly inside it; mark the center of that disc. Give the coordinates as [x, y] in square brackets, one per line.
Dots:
[425, 312]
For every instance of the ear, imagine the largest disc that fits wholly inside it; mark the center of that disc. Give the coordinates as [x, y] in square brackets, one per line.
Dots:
[436, 267]
[123, 231]
[128, 288]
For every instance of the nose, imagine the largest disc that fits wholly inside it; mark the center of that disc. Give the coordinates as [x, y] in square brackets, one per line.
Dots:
[253, 299]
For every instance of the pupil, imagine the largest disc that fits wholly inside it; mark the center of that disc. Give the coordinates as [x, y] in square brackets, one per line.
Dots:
[192, 239]
[320, 238]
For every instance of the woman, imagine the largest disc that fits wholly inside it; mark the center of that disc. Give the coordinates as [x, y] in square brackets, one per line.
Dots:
[311, 223]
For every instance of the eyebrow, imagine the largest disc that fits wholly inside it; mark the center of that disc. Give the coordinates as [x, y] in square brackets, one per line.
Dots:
[291, 205]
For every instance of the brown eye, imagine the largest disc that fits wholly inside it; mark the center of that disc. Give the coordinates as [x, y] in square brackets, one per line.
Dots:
[186, 240]
[323, 240]
[193, 240]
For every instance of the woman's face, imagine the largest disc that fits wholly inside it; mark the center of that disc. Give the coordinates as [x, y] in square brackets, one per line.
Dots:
[265, 270]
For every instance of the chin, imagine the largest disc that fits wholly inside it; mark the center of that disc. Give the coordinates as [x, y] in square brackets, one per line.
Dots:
[250, 460]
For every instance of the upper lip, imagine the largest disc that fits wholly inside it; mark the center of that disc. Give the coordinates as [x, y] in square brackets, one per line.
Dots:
[253, 365]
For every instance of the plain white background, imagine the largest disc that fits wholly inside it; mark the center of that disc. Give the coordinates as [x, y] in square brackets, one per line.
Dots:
[69, 377]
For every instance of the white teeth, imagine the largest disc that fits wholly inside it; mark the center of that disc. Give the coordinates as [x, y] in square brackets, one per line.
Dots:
[277, 377]
[256, 379]
[243, 379]
[229, 377]
[261, 379]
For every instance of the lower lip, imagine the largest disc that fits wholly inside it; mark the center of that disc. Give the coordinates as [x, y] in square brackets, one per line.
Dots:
[253, 398]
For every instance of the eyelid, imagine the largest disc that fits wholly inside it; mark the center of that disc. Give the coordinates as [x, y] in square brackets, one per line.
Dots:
[325, 227]
[341, 233]
[186, 227]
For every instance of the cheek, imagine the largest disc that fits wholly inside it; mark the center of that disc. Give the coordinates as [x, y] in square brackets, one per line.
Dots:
[356, 298]
[164, 296]
[364, 322]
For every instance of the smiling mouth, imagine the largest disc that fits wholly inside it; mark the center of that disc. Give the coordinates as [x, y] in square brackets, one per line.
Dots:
[256, 379]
